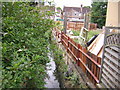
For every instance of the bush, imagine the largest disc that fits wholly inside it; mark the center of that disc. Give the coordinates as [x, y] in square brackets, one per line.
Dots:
[26, 33]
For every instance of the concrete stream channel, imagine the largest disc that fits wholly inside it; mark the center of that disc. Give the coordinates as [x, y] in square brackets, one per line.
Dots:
[52, 80]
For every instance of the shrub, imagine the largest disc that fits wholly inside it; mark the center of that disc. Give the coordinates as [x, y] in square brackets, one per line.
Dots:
[26, 32]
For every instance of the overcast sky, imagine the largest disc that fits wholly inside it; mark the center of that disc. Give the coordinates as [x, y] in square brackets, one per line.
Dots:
[73, 3]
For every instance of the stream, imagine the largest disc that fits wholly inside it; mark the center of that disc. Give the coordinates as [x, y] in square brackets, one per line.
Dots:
[51, 80]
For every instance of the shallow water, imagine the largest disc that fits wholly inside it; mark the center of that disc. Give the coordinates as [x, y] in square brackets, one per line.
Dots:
[51, 80]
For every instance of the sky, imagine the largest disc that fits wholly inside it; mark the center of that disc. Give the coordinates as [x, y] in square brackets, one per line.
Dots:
[73, 3]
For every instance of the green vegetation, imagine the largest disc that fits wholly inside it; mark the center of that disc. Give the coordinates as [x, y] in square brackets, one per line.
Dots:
[76, 40]
[70, 80]
[89, 36]
[58, 58]
[26, 33]
[76, 32]
[59, 25]
[98, 13]
[92, 33]
[59, 8]
[73, 81]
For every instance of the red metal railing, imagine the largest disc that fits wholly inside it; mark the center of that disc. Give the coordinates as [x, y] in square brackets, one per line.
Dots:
[89, 63]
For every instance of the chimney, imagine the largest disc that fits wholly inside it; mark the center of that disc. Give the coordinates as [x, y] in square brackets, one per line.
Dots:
[81, 7]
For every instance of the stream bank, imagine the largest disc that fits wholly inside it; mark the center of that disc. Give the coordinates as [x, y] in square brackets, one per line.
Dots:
[61, 69]
[67, 77]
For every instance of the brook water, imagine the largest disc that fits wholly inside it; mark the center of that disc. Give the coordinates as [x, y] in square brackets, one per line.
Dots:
[51, 80]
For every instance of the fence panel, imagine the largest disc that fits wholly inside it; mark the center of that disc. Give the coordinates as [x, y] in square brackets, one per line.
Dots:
[111, 61]
[92, 26]
[78, 26]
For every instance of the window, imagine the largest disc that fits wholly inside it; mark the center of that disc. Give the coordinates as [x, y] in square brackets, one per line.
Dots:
[75, 13]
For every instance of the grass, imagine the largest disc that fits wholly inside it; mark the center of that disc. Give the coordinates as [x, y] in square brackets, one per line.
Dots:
[75, 32]
[76, 40]
[92, 33]
[89, 36]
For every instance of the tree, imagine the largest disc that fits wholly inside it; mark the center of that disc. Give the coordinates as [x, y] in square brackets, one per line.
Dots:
[59, 8]
[98, 14]
[87, 7]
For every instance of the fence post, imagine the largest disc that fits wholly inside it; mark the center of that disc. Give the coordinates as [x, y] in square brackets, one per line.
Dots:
[86, 23]
[78, 55]
[106, 31]
[68, 45]
[65, 22]
[61, 37]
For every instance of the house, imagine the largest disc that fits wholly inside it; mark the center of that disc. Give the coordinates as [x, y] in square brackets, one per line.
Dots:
[75, 13]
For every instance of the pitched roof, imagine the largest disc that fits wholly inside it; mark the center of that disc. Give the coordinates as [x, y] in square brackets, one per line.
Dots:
[78, 9]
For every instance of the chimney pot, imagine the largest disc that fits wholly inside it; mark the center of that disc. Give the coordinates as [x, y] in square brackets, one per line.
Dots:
[81, 5]
[81, 8]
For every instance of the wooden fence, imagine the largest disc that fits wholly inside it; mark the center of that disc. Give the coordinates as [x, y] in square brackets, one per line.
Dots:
[89, 63]
[78, 26]
[110, 73]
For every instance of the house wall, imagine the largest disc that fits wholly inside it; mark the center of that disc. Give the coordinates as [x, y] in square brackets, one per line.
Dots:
[113, 14]
[119, 14]
[69, 14]
[75, 14]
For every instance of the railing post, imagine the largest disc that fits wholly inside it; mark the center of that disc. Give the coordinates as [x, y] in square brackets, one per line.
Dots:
[68, 45]
[78, 54]
[61, 37]
[84, 58]
[65, 22]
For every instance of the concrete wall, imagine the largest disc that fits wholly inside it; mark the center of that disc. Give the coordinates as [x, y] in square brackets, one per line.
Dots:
[113, 14]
